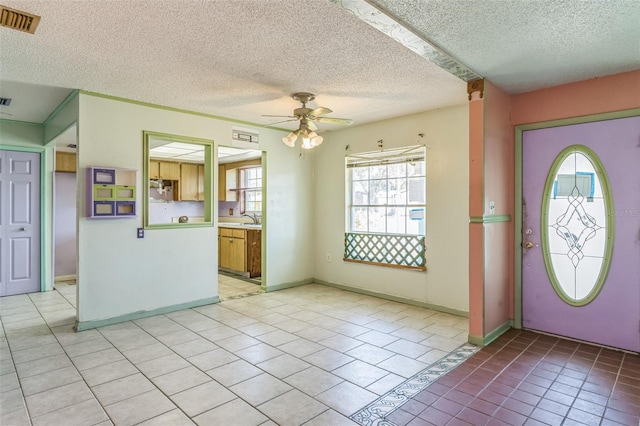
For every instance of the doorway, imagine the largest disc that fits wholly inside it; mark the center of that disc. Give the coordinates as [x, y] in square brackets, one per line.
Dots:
[581, 231]
[240, 222]
[19, 222]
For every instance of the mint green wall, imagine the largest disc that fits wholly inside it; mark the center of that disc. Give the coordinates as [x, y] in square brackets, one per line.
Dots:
[18, 133]
[65, 115]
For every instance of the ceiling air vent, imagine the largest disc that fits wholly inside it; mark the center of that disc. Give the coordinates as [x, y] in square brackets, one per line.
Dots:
[18, 20]
[5, 101]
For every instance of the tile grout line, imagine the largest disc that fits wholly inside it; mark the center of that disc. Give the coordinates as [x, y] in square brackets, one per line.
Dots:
[24, 401]
[72, 363]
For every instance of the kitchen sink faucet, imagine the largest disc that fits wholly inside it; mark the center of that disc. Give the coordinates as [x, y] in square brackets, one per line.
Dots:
[254, 217]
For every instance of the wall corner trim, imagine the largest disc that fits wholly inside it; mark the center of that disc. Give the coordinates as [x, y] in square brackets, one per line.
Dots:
[490, 218]
[87, 325]
[499, 331]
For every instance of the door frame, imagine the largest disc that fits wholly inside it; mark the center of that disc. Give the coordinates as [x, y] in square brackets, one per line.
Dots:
[42, 189]
[518, 178]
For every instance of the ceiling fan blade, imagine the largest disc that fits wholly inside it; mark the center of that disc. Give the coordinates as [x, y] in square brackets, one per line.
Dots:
[312, 126]
[278, 122]
[319, 111]
[288, 116]
[333, 120]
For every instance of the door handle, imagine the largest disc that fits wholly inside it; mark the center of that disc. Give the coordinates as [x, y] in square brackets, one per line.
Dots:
[22, 229]
[529, 244]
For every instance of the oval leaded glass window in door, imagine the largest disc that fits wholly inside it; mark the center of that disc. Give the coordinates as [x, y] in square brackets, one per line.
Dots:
[577, 225]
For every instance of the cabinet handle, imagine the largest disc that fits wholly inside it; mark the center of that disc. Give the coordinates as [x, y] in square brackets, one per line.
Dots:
[230, 240]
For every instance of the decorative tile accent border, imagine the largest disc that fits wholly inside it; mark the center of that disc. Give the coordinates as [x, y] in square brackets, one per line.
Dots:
[240, 296]
[375, 414]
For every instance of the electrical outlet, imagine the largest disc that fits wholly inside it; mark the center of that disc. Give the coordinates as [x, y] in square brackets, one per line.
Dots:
[328, 257]
[140, 232]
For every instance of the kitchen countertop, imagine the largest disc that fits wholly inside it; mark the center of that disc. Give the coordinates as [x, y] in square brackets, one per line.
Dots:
[239, 225]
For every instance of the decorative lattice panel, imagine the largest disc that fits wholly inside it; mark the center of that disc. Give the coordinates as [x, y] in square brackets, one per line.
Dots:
[403, 250]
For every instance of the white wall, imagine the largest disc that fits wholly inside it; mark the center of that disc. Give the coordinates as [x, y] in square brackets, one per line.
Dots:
[446, 282]
[119, 274]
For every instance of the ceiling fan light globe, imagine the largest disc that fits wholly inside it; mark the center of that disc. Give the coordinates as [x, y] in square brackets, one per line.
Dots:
[290, 139]
[317, 140]
[306, 142]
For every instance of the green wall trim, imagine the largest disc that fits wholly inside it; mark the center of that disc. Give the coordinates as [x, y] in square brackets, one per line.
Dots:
[287, 285]
[30, 123]
[183, 111]
[71, 96]
[87, 325]
[493, 335]
[518, 186]
[490, 218]
[39, 149]
[395, 298]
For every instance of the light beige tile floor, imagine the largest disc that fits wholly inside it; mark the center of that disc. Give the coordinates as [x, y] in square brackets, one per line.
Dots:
[311, 355]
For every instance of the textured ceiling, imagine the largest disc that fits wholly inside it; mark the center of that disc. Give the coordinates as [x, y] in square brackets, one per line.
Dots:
[243, 58]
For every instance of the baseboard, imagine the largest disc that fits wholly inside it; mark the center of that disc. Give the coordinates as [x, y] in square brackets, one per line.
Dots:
[492, 335]
[87, 325]
[60, 278]
[412, 302]
[282, 286]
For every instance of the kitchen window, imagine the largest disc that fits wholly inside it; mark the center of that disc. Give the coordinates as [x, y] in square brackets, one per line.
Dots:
[386, 201]
[250, 189]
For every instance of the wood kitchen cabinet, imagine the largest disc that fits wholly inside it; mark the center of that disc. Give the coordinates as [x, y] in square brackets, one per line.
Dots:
[165, 170]
[188, 182]
[65, 162]
[192, 182]
[232, 249]
[169, 170]
[240, 250]
[200, 182]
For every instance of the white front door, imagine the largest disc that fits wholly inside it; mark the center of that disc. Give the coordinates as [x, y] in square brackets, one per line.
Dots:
[19, 222]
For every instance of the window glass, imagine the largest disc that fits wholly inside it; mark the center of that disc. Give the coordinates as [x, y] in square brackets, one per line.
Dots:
[386, 205]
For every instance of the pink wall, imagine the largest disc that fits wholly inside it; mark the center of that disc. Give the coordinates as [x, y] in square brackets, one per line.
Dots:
[499, 154]
[476, 196]
[603, 94]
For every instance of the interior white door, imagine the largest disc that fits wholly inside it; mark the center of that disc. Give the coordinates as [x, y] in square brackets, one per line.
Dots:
[19, 222]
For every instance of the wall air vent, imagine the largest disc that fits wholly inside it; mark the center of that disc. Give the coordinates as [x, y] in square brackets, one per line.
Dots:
[18, 20]
[5, 101]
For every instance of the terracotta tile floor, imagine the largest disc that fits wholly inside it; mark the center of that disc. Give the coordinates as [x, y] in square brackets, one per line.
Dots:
[527, 378]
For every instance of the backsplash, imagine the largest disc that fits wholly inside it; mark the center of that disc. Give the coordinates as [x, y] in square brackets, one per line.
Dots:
[163, 212]
[229, 209]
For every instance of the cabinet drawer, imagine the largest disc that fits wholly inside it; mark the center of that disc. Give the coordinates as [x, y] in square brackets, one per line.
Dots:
[104, 192]
[226, 232]
[125, 192]
[238, 233]
[125, 208]
[106, 176]
[104, 208]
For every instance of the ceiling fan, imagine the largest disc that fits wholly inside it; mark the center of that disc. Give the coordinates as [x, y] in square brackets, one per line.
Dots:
[307, 116]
